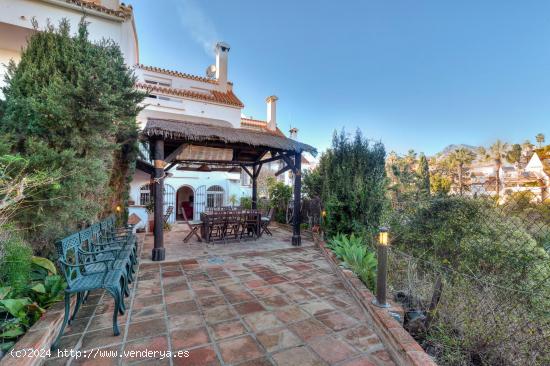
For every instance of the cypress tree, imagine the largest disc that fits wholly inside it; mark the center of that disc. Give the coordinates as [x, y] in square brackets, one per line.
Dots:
[70, 107]
[423, 172]
[353, 185]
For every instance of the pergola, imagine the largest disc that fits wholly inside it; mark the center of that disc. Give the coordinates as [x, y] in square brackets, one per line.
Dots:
[196, 144]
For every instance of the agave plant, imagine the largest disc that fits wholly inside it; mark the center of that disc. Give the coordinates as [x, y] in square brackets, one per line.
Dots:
[354, 254]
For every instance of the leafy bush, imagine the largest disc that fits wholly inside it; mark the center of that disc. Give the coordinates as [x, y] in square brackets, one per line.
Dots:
[15, 265]
[355, 255]
[496, 294]
[26, 293]
[246, 202]
[279, 196]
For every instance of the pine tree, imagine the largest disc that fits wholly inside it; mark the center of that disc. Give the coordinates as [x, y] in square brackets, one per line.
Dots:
[70, 107]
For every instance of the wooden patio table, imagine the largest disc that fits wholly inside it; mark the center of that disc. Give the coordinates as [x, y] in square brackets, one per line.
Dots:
[227, 218]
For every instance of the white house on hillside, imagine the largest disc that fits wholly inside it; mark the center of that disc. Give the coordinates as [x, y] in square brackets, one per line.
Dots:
[208, 100]
[171, 95]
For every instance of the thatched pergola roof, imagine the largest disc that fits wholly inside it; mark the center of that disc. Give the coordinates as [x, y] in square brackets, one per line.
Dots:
[210, 135]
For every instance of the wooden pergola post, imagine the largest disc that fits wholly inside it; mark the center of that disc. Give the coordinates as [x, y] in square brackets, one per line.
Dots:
[158, 184]
[254, 188]
[297, 216]
[255, 174]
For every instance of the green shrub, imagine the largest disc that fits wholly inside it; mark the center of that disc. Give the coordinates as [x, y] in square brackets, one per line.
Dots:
[279, 196]
[15, 266]
[353, 180]
[246, 202]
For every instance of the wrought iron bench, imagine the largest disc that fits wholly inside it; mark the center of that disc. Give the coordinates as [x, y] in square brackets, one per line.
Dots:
[99, 257]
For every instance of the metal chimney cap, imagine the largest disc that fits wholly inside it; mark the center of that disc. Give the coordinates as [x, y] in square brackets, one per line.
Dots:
[223, 46]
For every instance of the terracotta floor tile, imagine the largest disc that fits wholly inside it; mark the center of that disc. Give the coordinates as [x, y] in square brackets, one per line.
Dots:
[274, 302]
[276, 339]
[228, 329]
[147, 313]
[148, 328]
[182, 307]
[317, 307]
[185, 321]
[298, 356]
[238, 297]
[219, 314]
[309, 328]
[337, 321]
[183, 339]
[101, 338]
[141, 302]
[204, 356]
[331, 349]
[239, 350]
[249, 307]
[212, 301]
[140, 345]
[259, 321]
[290, 314]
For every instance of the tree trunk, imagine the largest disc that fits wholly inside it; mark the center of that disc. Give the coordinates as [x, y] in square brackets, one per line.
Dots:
[497, 176]
[460, 179]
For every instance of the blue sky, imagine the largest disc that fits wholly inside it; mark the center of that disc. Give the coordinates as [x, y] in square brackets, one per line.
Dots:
[413, 74]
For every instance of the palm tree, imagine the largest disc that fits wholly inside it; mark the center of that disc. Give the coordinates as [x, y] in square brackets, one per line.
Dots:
[540, 139]
[498, 152]
[459, 158]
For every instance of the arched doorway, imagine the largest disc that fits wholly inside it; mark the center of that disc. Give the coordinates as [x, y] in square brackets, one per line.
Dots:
[184, 199]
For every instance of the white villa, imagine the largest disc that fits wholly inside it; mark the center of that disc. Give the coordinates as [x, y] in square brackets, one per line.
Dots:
[171, 95]
[532, 175]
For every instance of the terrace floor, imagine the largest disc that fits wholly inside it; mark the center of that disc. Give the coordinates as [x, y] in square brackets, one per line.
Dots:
[254, 303]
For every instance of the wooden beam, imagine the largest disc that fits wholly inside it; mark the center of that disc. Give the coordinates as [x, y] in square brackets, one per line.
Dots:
[247, 171]
[282, 170]
[289, 162]
[174, 154]
[170, 166]
[273, 158]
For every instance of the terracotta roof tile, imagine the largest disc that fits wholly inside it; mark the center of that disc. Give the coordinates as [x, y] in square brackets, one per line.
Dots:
[123, 11]
[179, 74]
[259, 125]
[228, 97]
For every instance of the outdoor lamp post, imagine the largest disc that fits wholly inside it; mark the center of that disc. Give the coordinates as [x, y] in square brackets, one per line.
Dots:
[382, 268]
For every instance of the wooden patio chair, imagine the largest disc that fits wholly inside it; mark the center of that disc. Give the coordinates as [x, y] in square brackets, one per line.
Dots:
[250, 225]
[168, 213]
[194, 226]
[265, 221]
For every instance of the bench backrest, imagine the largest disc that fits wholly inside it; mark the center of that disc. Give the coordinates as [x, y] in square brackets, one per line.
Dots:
[67, 249]
[86, 239]
[108, 224]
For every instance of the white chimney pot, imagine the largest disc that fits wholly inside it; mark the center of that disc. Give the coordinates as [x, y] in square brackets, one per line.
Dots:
[271, 112]
[222, 50]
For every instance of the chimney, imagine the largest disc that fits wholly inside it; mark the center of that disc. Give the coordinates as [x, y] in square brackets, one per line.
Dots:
[293, 133]
[222, 49]
[271, 112]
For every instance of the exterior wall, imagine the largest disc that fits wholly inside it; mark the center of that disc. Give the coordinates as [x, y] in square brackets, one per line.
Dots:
[230, 182]
[178, 106]
[20, 13]
[187, 107]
